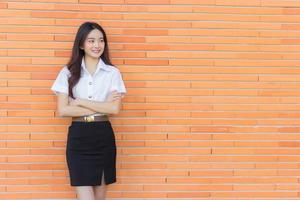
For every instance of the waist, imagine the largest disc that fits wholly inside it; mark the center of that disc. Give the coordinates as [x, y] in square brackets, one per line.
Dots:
[91, 118]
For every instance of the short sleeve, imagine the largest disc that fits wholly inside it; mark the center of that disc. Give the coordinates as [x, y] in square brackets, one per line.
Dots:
[118, 83]
[61, 85]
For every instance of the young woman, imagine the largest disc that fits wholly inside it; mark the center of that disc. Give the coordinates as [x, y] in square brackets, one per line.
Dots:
[89, 89]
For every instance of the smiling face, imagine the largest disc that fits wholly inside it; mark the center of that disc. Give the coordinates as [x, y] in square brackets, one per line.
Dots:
[94, 44]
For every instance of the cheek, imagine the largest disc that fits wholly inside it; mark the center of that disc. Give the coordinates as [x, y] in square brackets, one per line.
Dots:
[87, 45]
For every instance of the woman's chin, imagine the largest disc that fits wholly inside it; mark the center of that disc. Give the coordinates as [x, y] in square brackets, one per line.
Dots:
[94, 56]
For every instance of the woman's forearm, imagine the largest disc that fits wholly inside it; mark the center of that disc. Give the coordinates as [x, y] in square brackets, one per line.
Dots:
[101, 107]
[75, 111]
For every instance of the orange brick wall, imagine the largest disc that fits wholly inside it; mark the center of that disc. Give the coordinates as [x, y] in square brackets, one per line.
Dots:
[212, 109]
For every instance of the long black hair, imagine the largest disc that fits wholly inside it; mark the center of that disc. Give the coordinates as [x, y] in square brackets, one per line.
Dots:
[74, 64]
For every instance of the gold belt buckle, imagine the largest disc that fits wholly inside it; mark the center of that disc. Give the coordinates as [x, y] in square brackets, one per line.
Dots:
[89, 119]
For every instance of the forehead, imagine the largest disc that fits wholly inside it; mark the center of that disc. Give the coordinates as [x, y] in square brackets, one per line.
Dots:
[95, 34]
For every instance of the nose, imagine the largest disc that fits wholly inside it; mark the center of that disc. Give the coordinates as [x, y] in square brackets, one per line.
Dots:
[96, 44]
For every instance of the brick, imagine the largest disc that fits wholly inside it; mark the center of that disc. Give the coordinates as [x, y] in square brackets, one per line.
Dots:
[144, 194]
[29, 53]
[151, 173]
[30, 6]
[204, 2]
[29, 21]
[3, 5]
[188, 194]
[76, 7]
[102, 1]
[290, 11]
[147, 2]
[285, 3]
[237, 3]
[141, 180]
[168, 24]
[186, 188]
[145, 47]
[30, 98]
[29, 37]
[12, 13]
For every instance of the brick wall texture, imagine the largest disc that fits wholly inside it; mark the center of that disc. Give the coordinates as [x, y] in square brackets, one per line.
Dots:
[212, 109]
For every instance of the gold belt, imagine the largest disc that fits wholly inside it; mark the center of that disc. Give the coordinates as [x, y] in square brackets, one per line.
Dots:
[90, 118]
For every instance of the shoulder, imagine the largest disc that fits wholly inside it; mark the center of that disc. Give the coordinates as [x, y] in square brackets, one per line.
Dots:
[113, 69]
[65, 71]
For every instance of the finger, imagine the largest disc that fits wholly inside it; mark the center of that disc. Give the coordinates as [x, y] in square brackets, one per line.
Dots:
[116, 92]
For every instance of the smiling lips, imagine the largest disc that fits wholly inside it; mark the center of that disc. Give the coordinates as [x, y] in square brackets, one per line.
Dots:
[96, 51]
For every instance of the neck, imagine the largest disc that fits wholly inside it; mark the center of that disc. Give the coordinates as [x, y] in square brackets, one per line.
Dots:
[90, 63]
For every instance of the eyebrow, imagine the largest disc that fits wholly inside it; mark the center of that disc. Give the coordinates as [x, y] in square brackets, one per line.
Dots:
[94, 38]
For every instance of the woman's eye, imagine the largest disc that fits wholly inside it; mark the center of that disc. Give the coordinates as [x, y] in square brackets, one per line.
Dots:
[91, 41]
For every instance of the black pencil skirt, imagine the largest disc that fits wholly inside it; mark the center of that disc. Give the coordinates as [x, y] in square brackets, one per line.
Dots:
[91, 153]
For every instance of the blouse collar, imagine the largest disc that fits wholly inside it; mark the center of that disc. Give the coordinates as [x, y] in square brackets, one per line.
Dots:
[100, 65]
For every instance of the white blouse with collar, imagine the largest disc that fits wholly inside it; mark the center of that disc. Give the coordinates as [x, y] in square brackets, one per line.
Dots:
[96, 87]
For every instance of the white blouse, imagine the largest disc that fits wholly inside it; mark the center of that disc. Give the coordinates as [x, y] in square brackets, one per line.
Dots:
[96, 87]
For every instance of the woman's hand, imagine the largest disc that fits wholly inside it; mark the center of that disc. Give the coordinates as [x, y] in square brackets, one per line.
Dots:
[113, 96]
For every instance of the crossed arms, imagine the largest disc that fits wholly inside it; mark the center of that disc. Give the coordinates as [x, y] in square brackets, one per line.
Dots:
[81, 107]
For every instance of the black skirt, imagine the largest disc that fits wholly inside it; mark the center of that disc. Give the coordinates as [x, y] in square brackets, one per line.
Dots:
[91, 153]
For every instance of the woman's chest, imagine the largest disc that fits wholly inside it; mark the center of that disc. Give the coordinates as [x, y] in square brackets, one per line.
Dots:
[93, 87]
